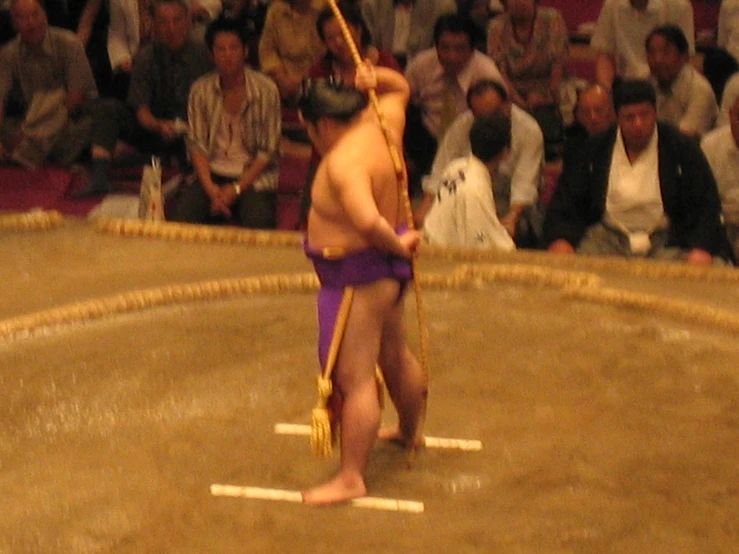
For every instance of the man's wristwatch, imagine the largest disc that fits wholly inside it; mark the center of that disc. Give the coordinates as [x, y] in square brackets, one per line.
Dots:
[237, 188]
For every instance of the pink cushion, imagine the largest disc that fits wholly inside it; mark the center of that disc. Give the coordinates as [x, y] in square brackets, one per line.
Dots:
[46, 188]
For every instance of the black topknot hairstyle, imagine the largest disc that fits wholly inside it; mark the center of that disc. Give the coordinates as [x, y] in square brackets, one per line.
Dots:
[329, 98]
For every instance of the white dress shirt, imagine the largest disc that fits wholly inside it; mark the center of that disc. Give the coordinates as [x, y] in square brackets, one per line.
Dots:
[722, 154]
[519, 176]
[689, 103]
[731, 93]
[634, 198]
[621, 31]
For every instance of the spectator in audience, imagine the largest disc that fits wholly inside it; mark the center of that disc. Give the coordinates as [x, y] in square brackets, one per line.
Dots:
[718, 66]
[684, 96]
[89, 19]
[131, 26]
[529, 44]
[518, 176]
[593, 115]
[338, 62]
[46, 85]
[622, 29]
[479, 11]
[594, 110]
[463, 212]
[153, 119]
[727, 36]
[404, 27]
[202, 12]
[721, 147]
[641, 189]
[251, 14]
[731, 93]
[234, 119]
[290, 44]
[6, 25]
[439, 78]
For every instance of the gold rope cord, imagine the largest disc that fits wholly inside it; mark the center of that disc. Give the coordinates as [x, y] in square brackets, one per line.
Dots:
[487, 266]
[579, 285]
[35, 219]
[196, 233]
[170, 295]
[321, 439]
[635, 267]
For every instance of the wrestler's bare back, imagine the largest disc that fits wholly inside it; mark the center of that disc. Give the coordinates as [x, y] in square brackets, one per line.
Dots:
[355, 175]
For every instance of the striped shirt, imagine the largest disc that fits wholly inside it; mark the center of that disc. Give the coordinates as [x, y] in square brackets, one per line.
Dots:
[260, 121]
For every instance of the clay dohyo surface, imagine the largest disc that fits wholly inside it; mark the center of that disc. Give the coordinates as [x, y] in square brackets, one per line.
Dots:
[605, 429]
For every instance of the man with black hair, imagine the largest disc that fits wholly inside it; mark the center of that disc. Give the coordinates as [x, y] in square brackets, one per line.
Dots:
[46, 88]
[640, 189]
[234, 120]
[405, 27]
[439, 78]
[361, 252]
[463, 212]
[153, 117]
[623, 26]
[684, 96]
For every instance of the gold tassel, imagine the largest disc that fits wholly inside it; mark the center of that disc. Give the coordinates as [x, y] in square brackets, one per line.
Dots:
[321, 436]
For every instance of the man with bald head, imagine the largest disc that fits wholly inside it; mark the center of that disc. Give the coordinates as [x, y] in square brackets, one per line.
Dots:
[517, 177]
[594, 114]
[45, 84]
[594, 110]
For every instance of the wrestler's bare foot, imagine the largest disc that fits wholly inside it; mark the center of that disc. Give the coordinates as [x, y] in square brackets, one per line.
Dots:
[393, 434]
[339, 489]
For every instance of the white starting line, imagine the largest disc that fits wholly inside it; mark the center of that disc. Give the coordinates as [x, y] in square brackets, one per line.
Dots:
[371, 502]
[429, 442]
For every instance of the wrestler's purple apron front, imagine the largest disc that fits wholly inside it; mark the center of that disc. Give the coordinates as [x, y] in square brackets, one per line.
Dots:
[355, 269]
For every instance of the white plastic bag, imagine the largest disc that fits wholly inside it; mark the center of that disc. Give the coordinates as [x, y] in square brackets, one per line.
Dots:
[151, 202]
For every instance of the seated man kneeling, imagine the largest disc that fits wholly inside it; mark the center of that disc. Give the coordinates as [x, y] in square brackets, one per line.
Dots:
[463, 211]
[234, 119]
[642, 189]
